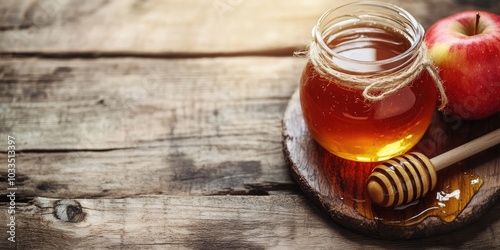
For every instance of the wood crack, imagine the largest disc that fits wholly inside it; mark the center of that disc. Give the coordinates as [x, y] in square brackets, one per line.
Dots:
[58, 151]
[18, 27]
[275, 52]
[261, 189]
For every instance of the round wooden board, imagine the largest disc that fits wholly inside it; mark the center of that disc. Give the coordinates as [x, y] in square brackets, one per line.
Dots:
[323, 176]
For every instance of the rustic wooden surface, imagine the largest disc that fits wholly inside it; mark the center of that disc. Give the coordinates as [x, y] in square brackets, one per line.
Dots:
[163, 120]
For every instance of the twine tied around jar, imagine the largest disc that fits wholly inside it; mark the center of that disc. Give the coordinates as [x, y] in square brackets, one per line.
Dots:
[375, 87]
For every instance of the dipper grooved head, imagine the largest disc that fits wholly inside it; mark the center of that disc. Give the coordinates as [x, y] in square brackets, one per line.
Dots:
[401, 180]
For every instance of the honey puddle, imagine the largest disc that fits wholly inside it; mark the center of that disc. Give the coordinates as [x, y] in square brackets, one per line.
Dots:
[455, 187]
[454, 190]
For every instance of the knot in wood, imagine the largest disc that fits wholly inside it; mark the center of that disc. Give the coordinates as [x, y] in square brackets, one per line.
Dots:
[68, 211]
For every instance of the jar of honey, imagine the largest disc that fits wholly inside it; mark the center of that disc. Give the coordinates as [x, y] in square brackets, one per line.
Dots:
[368, 90]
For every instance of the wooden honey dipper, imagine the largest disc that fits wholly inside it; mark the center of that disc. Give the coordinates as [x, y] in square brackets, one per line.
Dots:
[406, 178]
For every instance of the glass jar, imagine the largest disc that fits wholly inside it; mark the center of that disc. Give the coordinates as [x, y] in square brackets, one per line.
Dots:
[354, 46]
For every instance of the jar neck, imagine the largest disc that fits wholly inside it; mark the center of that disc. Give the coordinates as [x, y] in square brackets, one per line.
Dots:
[359, 27]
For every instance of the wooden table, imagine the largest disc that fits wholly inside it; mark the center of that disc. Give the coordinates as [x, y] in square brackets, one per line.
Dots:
[157, 124]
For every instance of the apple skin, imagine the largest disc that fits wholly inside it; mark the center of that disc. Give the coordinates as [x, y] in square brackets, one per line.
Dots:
[469, 64]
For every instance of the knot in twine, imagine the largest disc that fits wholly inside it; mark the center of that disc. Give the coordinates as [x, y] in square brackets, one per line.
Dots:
[375, 87]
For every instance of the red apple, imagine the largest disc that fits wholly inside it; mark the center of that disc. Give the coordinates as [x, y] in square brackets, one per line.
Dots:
[466, 49]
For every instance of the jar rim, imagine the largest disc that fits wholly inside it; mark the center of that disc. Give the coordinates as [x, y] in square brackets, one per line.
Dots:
[416, 39]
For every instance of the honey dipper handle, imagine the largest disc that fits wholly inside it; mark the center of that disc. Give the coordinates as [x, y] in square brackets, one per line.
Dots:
[466, 150]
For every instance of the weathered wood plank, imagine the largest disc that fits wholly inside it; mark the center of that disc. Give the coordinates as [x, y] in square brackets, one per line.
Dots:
[86, 128]
[177, 27]
[181, 170]
[124, 103]
[223, 222]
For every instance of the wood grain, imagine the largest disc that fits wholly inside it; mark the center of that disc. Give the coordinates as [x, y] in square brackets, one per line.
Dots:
[339, 186]
[104, 104]
[177, 153]
[176, 28]
[214, 222]
[84, 128]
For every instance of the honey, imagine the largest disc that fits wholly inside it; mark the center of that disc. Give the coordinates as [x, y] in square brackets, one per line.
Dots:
[450, 197]
[454, 190]
[341, 180]
[341, 120]
[357, 126]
